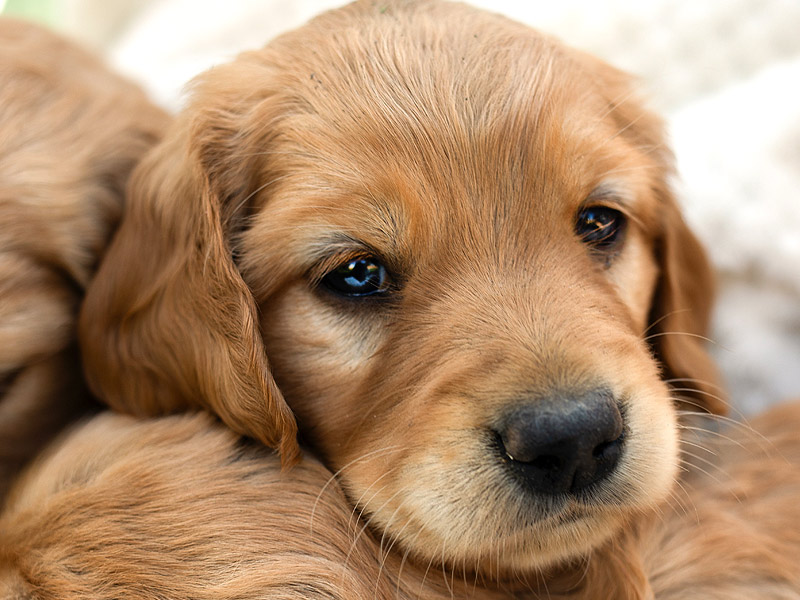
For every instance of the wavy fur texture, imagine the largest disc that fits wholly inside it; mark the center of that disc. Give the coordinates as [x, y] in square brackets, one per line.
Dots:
[461, 157]
[180, 507]
[71, 133]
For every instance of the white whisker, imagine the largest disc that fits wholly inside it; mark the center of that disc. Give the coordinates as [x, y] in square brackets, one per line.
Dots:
[334, 477]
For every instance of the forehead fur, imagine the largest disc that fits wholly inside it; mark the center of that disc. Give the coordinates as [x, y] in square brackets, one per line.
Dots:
[392, 72]
[486, 116]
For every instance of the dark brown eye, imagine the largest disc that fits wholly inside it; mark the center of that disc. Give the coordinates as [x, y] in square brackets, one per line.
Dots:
[600, 227]
[358, 278]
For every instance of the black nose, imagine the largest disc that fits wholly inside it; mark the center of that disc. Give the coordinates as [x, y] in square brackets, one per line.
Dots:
[564, 443]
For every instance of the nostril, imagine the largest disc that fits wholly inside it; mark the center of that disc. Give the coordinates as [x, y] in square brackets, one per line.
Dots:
[600, 449]
[606, 449]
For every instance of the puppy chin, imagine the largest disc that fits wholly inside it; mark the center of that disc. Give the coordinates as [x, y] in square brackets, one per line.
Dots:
[505, 531]
[491, 550]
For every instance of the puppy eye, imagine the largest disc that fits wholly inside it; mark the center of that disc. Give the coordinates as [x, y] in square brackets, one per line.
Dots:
[358, 278]
[600, 227]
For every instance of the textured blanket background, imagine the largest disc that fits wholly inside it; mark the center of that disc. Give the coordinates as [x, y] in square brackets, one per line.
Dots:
[726, 73]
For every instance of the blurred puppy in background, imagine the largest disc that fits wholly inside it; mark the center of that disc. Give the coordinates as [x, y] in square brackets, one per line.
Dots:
[70, 134]
[443, 249]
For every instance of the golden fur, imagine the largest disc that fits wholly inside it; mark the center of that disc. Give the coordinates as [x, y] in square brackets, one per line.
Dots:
[180, 507]
[458, 150]
[70, 134]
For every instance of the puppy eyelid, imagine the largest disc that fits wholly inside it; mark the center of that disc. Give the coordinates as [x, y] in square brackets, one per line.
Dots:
[343, 251]
[614, 196]
[330, 262]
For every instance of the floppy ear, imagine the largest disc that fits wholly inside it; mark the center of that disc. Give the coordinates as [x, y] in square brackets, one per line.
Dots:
[681, 315]
[681, 311]
[169, 323]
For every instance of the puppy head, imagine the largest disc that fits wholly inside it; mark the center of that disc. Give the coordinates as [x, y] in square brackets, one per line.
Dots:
[455, 241]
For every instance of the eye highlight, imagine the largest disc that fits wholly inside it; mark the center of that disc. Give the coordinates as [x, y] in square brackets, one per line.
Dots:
[358, 278]
[601, 227]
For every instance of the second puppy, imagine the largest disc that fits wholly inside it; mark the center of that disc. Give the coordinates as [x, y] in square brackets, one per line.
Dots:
[70, 134]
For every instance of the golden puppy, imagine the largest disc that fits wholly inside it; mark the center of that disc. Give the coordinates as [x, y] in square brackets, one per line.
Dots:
[455, 241]
[443, 248]
[180, 507]
[70, 134]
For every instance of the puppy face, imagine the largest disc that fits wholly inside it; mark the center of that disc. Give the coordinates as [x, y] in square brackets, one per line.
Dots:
[452, 242]
[454, 274]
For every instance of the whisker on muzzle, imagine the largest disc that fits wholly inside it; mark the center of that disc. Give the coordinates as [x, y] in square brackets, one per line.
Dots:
[334, 477]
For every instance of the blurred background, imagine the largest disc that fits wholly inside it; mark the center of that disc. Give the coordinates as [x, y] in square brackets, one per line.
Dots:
[724, 73]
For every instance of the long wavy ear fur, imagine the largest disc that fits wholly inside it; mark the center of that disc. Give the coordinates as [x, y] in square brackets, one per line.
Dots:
[168, 322]
[681, 316]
